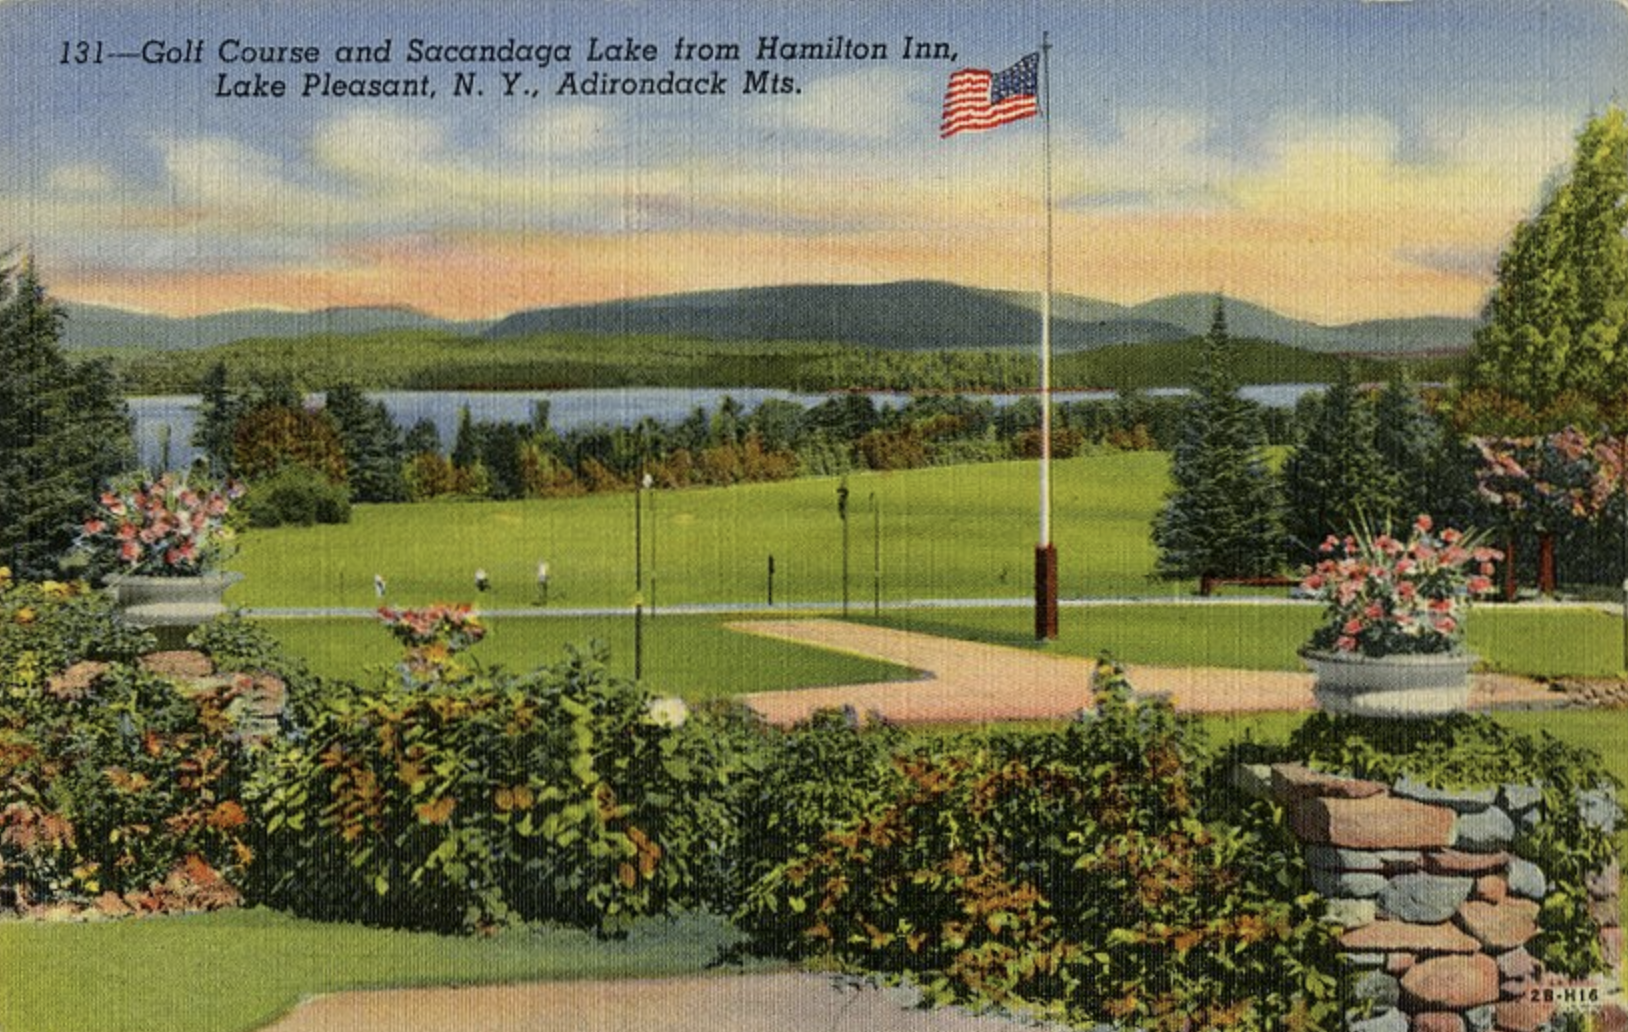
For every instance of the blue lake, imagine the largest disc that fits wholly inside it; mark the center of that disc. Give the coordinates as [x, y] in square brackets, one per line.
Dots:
[177, 415]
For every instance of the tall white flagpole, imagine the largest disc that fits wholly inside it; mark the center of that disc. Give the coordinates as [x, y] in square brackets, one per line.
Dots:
[1045, 619]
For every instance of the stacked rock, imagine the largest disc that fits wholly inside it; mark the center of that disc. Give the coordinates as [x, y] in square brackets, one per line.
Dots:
[1435, 913]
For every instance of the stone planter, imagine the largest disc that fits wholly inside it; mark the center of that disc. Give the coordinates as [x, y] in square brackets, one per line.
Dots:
[164, 602]
[1399, 687]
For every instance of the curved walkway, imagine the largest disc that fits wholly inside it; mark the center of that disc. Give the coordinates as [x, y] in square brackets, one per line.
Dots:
[781, 1002]
[968, 681]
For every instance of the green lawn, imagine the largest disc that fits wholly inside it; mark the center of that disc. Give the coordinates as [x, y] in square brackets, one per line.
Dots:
[696, 657]
[960, 531]
[240, 970]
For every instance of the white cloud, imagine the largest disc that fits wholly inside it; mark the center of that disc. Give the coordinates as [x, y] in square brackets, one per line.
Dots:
[888, 101]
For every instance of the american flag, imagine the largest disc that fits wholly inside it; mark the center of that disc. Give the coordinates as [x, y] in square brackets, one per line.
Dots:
[978, 99]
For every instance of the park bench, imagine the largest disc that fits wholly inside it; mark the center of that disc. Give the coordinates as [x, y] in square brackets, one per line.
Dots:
[1208, 584]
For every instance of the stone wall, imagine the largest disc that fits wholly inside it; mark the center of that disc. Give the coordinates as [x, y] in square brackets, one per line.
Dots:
[1434, 912]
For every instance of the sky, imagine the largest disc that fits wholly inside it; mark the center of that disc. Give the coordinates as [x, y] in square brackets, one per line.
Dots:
[1336, 160]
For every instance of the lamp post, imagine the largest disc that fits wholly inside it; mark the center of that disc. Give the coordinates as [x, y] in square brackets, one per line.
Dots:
[650, 485]
[842, 514]
[638, 577]
[876, 557]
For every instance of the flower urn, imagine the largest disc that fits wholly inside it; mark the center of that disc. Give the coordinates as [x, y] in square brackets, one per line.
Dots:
[156, 602]
[1397, 687]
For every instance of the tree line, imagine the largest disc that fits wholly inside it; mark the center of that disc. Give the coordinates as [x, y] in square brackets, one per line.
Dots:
[1533, 444]
[265, 432]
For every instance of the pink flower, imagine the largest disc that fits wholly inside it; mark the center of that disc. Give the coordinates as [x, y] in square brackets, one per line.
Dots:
[95, 526]
[1423, 523]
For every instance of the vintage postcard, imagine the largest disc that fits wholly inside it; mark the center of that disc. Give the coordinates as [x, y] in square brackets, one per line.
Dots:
[761, 514]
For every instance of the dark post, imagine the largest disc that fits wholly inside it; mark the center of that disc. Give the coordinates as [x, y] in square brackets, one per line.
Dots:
[771, 580]
[1045, 592]
[876, 556]
[842, 513]
[638, 581]
[649, 485]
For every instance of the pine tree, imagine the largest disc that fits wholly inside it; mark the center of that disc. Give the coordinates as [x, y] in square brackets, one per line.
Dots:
[1558, 318]
[1221, 518]
[64, 429]
[1409, 442]
[375, 452]
[1334, 479]
[218, 412]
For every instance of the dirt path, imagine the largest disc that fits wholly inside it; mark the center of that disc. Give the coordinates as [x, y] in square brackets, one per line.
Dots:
[783, 1002]
[970, 681]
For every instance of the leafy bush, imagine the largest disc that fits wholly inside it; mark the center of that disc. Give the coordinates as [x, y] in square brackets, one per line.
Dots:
[1073, 874]
[116, 786]
[296, 495]
[563, 794]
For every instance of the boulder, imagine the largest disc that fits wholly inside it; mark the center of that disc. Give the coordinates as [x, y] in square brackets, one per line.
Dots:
[1437, 1021]
[1293, 782]
[1526, 879]
[1424, 898]
[1402, 937]
[1519, 798]
[1481, 1019]
[1524, 1015]
[1377, 822]
[1340, 884]
[1492, 888]
[1450, 983]
[1517, 964]
[1487, 831]
[1462, 800]
[1349, 913]
[1500, 926]
[1457, 861]
[185, 663]
[1599, 808]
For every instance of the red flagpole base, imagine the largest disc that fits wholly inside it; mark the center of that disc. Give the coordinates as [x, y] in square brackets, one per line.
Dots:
[1045, 592]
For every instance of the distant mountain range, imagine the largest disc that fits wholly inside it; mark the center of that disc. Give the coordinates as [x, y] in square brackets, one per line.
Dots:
[913, 315]
[95, 326]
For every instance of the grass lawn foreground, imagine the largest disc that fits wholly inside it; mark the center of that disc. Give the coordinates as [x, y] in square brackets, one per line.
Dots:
[239, 970]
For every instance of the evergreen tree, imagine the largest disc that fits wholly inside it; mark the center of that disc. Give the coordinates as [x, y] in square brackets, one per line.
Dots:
[375, 452]
[1334, 478]
[1558, 318]
[500, 454]
[1409, 442]
[466, 445]
[423, 438]
[64, 429]
[1221, 518]
[218, 413]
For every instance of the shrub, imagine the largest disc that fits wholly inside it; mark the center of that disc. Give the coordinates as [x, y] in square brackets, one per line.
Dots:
[1073, 874]
[117, 785]
[486, 799]
[297, 496]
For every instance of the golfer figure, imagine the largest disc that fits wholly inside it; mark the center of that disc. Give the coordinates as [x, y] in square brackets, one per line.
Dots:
[481, 581]
[542, 582]
[378, 585]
